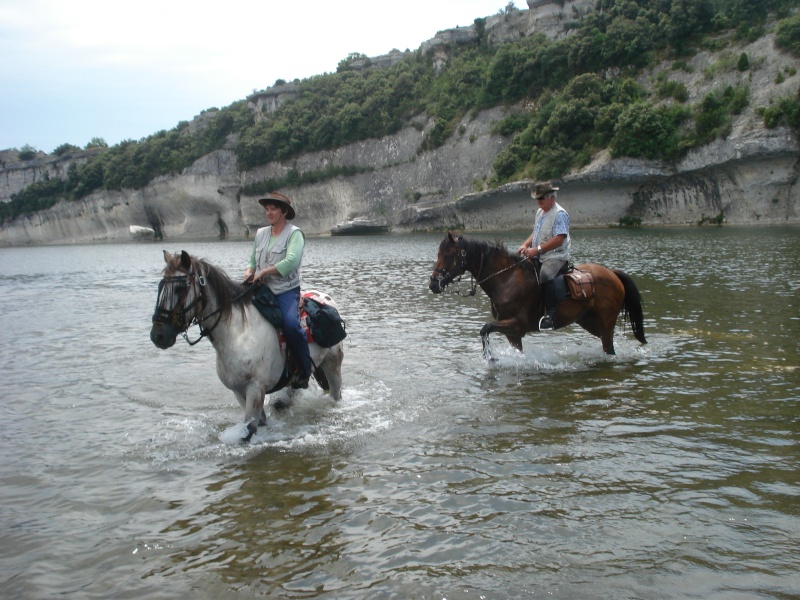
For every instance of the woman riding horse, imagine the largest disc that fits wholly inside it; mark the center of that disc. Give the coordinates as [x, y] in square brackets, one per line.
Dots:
[277, 259]
[251, 361]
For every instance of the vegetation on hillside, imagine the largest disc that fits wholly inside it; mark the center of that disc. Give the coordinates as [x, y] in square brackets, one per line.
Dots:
[582, 94]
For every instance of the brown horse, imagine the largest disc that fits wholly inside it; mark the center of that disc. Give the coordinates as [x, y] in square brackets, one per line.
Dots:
[512, 284]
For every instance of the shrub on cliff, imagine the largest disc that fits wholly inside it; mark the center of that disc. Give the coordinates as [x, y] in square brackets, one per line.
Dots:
[39, 195]
[787, 35]
[27, 152]
[65, 149]
[565, 129]
[785, 111]
[646, 131]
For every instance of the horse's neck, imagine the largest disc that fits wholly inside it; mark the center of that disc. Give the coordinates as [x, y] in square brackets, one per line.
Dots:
[476, 263]
[228, 331]
[499, 272]
[211, 318]
[485, 263]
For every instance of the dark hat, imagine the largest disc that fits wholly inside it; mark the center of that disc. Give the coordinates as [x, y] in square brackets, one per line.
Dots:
[280, 200]
[542, 189]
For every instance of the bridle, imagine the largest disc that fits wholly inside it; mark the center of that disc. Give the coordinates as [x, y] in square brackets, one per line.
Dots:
[444, 277]
[177, 316]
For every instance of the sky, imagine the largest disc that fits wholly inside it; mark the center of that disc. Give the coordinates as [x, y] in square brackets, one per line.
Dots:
[74, 70]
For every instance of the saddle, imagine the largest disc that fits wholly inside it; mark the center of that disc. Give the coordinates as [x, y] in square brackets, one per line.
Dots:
[580, 284]
[320, 321]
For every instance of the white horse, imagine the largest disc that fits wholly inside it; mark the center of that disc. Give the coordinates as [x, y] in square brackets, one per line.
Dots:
[251, 361]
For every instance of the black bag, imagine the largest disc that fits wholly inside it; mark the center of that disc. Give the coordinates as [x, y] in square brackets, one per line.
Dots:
[327, 327]
[266, 303]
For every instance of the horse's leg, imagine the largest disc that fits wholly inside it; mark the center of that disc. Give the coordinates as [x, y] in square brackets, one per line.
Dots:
[608, 321]
[608, 339]
[598, 327]
[516, 341]
[487, 351]
[254, 407]
[508, 327]
[262, 419]
[331, 366]
[591, 323]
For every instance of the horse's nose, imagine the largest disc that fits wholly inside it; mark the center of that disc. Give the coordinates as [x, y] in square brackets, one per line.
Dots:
[160, 339]
[435, 285]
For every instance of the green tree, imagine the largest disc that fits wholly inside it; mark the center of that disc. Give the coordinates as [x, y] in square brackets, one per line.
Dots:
[645, 131]
[786, 111]
[744, 62]
[787, 35]
[685, 20]
[65, 149]
[27, 152]
[96, 142]
[354, 57]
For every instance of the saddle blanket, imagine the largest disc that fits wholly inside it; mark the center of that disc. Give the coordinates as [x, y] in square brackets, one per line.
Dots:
[580, 284]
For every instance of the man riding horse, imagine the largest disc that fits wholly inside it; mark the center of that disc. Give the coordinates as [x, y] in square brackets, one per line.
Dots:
[550, 242]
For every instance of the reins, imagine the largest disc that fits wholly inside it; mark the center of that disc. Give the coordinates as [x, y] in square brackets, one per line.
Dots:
[474, 282]
[207, 332]
[177, 316]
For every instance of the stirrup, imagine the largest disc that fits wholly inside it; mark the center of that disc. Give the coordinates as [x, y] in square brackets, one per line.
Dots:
[546, 323]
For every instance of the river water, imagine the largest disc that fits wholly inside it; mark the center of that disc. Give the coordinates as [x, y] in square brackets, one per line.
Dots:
[671, 470]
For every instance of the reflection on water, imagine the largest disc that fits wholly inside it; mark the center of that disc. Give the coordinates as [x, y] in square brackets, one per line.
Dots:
[667, 471]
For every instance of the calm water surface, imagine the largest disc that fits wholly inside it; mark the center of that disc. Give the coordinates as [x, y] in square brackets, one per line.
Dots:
[671, 470]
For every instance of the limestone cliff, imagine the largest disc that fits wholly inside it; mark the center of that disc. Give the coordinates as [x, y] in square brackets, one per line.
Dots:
[750, 177]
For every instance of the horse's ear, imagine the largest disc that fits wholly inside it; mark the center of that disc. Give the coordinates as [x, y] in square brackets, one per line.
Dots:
[167, 257]
[450, 237]
[186, 260]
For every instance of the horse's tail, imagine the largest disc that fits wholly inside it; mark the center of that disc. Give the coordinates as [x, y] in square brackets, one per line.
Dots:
[633, 305]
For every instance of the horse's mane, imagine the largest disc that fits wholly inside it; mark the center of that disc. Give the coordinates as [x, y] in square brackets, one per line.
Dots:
[477, 248]
[229, 293]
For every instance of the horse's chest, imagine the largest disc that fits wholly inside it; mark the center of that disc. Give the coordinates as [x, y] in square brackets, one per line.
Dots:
[252, 356]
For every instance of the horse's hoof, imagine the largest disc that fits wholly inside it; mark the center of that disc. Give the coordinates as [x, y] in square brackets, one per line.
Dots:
[280, 405]
[251, 429]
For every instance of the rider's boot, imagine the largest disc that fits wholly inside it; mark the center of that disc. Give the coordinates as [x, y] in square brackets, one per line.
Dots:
[300, 380]
[548, 321]
[303, 371]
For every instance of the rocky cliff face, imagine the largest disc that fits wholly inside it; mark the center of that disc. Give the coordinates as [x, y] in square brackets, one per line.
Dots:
[748, 178]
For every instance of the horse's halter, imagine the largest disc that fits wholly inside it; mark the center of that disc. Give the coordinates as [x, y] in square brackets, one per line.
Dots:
[178, 286]
[444, 277]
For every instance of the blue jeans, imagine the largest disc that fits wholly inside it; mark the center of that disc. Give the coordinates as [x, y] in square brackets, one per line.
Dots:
[295, 337]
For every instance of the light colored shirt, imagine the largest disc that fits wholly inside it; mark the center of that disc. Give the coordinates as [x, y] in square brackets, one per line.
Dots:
[560, 227]
[294, 252]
